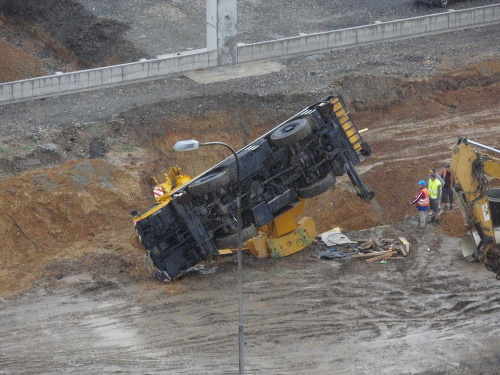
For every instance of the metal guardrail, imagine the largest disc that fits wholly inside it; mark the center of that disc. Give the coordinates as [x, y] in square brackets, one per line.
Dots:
[144, 70]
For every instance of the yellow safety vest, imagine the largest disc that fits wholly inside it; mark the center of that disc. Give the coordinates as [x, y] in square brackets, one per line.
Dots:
[433, 188]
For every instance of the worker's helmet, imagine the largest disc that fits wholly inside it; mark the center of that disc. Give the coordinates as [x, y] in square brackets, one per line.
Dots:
[422, 182]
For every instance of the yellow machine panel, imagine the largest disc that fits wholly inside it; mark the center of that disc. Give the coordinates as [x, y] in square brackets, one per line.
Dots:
[293, 242]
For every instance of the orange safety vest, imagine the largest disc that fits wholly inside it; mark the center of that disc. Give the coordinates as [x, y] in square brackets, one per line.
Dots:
[443, 175]
[425, 200]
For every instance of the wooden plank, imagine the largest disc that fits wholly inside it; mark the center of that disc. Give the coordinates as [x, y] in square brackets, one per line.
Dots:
[403, 250]
[371, 255]
[385, 256]
[334, 230]
[231, 251]
[405, 243]
[387, 240]
[367, 245]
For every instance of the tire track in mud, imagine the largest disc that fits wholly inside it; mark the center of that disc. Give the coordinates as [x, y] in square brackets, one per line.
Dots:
[414, 139]
[383, 308]
[302, 315]
[102, 336]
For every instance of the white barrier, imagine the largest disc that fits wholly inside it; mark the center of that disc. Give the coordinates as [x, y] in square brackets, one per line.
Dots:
[379, 32]
[115, 75]
[65, 83]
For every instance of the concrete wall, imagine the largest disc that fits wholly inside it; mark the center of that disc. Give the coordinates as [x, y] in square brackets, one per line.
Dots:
[379, 32]
[65, 83]
[115, 75]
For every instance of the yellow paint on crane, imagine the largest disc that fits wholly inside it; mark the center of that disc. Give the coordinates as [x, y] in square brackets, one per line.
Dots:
[294, 242]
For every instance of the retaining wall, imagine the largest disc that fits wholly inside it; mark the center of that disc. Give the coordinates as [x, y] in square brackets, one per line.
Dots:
[65, 83]
[378, 32]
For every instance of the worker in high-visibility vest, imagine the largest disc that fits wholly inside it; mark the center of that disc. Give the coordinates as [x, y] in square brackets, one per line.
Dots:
[422, 202]
[434, 188]
[449, 183]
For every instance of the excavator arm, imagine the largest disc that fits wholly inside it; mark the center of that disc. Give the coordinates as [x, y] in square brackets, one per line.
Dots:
[473, 171]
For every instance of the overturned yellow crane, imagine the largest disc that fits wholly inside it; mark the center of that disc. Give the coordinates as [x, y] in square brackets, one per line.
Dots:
[281, 237]
[297, 160]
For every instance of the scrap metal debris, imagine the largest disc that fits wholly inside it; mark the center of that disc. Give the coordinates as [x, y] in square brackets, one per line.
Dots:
[371, 249]
[333, 238]
[334, 253]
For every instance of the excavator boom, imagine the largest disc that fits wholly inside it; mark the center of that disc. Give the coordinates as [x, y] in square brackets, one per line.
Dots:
[473, 171]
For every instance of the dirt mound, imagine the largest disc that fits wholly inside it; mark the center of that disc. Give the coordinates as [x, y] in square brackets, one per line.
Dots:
[383, 100]
[452, 223]
[341, 207]
[29, 51]
[58, 215]
[61, 35]
[17, 64]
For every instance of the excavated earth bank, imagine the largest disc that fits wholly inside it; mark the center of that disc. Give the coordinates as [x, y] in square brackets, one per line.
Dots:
[55, 211]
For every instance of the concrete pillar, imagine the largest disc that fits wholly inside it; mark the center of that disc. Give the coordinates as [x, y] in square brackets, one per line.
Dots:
[222, 19]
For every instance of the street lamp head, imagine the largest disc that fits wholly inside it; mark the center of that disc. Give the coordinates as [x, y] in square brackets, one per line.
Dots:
[188, 145]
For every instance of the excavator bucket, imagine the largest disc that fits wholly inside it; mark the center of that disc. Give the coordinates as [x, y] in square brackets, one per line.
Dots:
[468, 243]
[471, 241]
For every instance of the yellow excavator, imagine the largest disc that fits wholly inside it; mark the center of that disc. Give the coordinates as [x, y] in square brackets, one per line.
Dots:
[480, 204]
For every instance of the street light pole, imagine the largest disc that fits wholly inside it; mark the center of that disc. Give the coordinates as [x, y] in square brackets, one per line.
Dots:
[193, 145]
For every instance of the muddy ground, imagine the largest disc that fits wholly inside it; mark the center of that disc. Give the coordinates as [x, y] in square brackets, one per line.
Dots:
[77, 296]
[431, 313]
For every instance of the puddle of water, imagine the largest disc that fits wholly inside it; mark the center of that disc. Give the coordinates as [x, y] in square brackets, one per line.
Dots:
[113, 333]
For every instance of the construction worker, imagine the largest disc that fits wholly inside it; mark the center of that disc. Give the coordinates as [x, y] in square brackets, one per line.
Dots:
[434, 188]
[433, 170]
[449, 182]
[422, 202]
